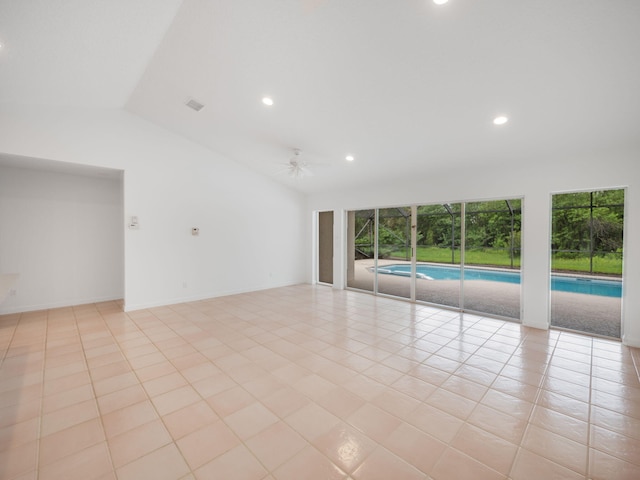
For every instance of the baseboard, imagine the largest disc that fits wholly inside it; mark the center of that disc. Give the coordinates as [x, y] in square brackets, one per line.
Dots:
[61, 304]
[139, 306]
[631, 341]
[203, 296]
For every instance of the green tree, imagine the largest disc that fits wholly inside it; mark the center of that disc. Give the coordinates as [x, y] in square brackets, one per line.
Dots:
[587, 229]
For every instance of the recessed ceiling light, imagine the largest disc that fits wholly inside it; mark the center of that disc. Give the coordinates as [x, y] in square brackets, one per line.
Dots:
[440, 2]
[501, 120]
[349, 158]
[267, 101]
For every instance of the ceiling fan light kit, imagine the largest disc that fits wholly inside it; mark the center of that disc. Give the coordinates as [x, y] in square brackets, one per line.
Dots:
[296, 166]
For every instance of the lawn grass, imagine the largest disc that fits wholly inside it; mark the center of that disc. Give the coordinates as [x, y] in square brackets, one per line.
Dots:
[607, 265]
[489, 257]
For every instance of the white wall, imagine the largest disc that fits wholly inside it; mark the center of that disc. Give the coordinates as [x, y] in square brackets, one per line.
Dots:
[250, 236]
[536, 183]
[62, 234]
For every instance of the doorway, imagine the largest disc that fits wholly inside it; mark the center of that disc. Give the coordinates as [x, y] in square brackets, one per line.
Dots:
[586, 261]
[325, 247]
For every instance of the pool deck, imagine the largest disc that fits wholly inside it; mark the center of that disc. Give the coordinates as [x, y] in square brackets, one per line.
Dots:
[593, 314]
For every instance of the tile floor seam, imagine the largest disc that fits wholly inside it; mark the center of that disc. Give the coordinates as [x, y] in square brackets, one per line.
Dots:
[160, 417]
[95, 395]
[385, 329]
[41, 416]
[589, 423]
[222, 419]
[479, 404]
[635, 359]
[12, 336]
[539, 390]
[470, 457]
[116, 342]
[310, 444]
[529, 424]
[489, 389]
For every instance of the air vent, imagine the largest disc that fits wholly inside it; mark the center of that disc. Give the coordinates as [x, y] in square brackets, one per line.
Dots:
[194, 104]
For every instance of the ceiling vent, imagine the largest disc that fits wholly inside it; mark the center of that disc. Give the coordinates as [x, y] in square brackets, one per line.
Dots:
[194, 104]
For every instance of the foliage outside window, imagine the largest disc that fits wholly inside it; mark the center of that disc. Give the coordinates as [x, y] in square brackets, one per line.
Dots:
[493, 233]
[364, 233]
[587, 232]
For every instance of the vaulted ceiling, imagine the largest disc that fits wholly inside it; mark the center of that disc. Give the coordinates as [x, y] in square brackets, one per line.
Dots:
[407, 87]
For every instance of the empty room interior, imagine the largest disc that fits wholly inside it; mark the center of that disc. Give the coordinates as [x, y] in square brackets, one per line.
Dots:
[319, 239]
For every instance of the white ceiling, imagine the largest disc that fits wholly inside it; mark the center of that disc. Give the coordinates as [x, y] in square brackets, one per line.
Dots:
[406, 86]
[84, 53]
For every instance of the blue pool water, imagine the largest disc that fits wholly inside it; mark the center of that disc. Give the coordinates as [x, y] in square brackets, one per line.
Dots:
[606, 288]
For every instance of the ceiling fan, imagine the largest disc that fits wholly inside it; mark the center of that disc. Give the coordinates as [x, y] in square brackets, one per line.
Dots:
[297, 167]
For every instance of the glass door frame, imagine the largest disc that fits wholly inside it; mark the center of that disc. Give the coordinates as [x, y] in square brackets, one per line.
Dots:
[413, 259]
[412, 256]
[559, 323]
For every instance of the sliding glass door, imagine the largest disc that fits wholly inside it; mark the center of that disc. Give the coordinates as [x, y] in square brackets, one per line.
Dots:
[492, 257]
[361, 249]
[438, 254]
[586, 261]
[394, 251]
[460, 255]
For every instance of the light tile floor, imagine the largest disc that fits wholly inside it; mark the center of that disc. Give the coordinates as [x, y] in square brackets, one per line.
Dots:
[310, 383]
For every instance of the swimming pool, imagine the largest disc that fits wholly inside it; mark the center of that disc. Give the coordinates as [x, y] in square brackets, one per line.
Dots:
[561, 283]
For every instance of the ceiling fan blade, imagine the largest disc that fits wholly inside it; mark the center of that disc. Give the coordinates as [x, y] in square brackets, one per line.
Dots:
[305, 171]
[296, 167]
[281, 171]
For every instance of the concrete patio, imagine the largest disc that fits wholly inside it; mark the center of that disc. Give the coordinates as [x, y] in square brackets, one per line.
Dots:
[592, 314]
